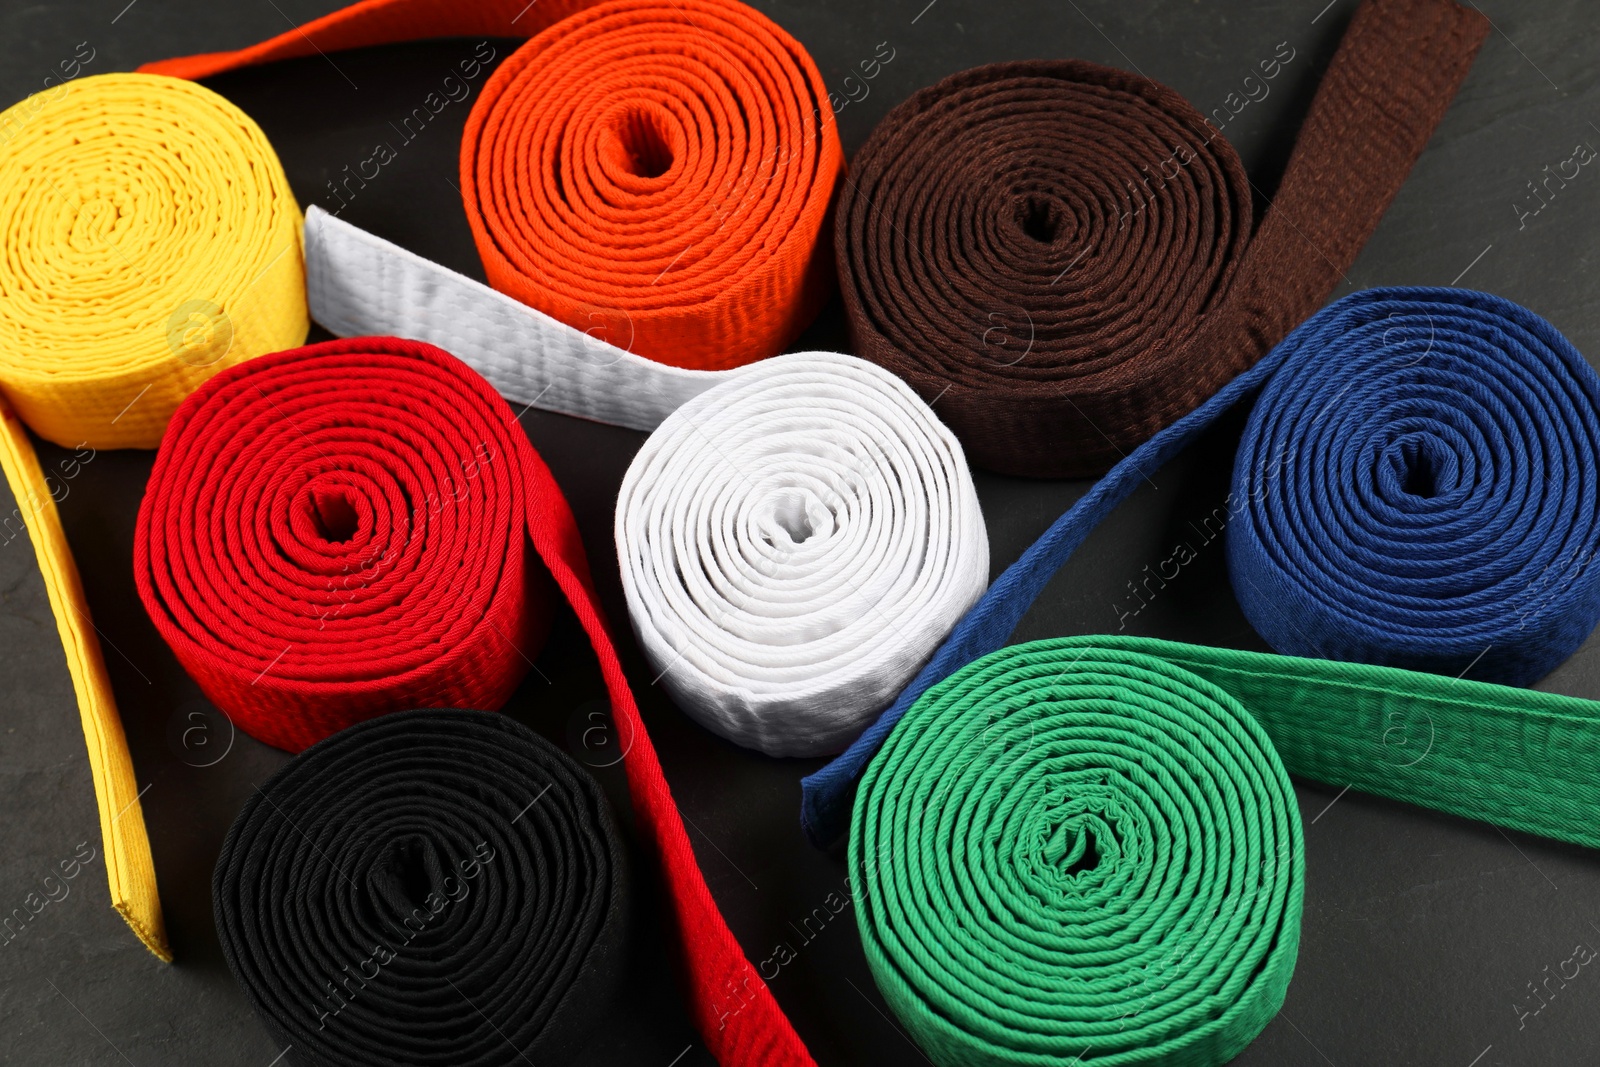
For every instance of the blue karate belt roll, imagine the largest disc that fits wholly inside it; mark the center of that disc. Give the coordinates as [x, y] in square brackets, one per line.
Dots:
[1416, 487]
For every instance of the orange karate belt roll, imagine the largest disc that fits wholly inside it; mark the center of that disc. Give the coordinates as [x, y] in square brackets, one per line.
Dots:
[658, 173]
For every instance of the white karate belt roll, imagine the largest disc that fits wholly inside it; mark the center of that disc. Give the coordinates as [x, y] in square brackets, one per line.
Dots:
[795, 542]
[358, 284]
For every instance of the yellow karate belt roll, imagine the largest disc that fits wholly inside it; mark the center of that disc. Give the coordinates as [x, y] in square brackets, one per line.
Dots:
[150, 239]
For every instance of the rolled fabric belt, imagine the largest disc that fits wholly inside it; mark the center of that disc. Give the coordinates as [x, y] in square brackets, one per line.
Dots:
[429, 887]
[1068, 853]
[1063, 255]
[1448, 392]
[794, 544]
[1086, 849]
[151, 239]
[335, 532]
[1433, 505]
[654, 174]
[358, 284]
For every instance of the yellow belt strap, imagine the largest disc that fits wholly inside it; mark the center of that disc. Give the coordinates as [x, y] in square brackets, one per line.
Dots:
[148, 239]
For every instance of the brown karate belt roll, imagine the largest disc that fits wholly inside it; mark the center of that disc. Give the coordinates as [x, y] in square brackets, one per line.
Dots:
[1061, 257]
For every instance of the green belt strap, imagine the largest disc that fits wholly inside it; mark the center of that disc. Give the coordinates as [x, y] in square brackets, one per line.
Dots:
[1087, 850]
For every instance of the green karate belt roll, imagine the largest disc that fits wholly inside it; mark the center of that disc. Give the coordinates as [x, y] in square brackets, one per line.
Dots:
[1086, 850]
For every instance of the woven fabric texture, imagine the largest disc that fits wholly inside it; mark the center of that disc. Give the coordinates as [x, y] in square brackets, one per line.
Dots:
[430, 887]
[1064, 254]
[375, 22]
[655, 173]
[150, 239]
[1074, 853]
[339, 531]
[795, 542]
[358, 285]
[1433, 505]
[1407, 375]
[1087, 848]
[130, 868]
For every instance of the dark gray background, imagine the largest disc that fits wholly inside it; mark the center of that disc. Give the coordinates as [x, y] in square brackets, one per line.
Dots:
[1421, 931]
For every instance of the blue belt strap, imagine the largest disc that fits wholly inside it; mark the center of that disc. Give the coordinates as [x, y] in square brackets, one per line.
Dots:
[1416, 487]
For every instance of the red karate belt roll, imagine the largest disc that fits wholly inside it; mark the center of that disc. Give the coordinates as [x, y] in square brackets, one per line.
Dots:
[340, 530]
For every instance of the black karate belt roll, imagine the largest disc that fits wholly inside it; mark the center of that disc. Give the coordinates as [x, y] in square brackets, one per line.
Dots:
[427, 887]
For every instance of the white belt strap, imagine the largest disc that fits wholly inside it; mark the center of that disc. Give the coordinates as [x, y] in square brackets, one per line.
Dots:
[359, 284]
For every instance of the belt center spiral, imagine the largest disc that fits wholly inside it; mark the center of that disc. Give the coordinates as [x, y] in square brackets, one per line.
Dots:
[1043, 218]
[94, 224]
[336, 518]
[336, 514]
[646, 140]
[407, 875]
[1078, 838]
[1079, 844]
[1420, 465]
[799, 515]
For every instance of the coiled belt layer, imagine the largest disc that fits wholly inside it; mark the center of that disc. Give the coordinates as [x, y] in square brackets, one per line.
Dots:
[794, 544]
[150, 239]
[1075, 851]
[429, 887]
[1063, 253]
[654, 175]
[359, 284]
[1435, 504]
[1088, 848]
